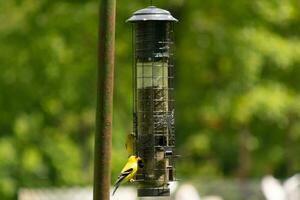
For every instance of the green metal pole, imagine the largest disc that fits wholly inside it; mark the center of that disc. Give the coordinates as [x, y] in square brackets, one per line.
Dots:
[105, 79]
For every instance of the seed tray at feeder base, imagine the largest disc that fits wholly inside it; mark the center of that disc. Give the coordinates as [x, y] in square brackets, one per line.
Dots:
[151, 192]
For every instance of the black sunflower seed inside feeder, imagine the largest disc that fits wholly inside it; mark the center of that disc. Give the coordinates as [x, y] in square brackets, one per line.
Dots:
[153, 88]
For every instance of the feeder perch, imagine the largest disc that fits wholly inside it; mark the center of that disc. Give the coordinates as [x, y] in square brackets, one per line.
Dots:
[153, 99]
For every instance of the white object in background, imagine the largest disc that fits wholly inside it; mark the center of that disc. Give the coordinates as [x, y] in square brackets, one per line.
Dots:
[212, 198]
[272, 188]
[173, 187]
[292, 187]
[75, 193]
[125, 193]
[187, 192]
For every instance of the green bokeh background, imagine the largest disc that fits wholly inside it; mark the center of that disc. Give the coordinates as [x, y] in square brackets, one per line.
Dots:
[237, 81]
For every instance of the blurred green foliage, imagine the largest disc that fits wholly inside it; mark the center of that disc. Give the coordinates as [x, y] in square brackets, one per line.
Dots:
[238, 91]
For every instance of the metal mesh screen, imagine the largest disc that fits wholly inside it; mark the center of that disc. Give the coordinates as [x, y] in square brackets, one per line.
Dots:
[154, 101]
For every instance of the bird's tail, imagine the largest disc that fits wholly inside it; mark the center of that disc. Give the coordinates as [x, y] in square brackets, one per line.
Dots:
[120, 179]
[116, 187]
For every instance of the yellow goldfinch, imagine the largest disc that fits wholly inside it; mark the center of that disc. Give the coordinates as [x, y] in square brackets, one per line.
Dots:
[130, 143]
[129, 171]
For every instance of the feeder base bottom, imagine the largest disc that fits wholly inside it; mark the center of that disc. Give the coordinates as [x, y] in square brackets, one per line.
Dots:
[151, 192]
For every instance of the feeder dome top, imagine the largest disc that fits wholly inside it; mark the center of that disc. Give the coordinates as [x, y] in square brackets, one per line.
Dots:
[151, 13]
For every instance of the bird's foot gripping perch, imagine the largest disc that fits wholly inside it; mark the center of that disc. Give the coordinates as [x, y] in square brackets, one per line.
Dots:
[132, 180]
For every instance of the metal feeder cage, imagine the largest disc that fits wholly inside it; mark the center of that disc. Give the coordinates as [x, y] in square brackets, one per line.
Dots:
[153, 97]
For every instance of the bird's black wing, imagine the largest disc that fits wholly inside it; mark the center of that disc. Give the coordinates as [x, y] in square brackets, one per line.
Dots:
[120, 178]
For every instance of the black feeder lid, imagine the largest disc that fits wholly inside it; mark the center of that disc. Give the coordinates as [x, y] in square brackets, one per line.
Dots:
[152, 13]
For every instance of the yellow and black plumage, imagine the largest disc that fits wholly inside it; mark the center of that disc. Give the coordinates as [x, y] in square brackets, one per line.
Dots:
[129, 171]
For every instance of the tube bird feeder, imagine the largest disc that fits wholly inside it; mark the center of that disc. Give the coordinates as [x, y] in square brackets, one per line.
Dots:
[153, 99]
